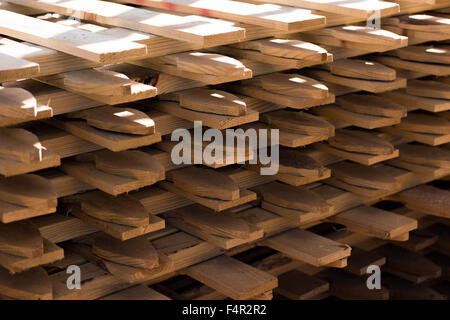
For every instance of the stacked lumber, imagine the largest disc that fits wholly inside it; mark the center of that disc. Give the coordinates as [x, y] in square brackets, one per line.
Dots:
[92, 93]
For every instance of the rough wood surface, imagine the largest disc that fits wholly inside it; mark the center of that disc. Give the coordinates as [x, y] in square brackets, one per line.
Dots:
[360, 141]
[122, 210]
[204, 183]
[21, 239]
[136, 252]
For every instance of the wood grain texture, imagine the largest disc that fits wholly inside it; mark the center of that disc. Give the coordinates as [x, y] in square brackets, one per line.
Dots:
[122, 210]
[204, 183]
[21, 239]
[136, 252]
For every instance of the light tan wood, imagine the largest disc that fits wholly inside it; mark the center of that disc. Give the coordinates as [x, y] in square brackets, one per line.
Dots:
[360, 141]
[207, 68]
[278, 97]
[136, 252]
[123, 120]
[363, 176]
[237, 280]
[33, 284]
[212, 101]
[361, 9]
[122, 210]
[14, 68]
[343, 118]
[286, 48]
[17, 103]
[114, 141]
[133, 164]
[104, 86]
[28, 190]
[21, 239]
[360, 84]
[362, 69]
[190, 28]
[211, 120]
[265, 15]
[371, 104]
[204, 183]
[298, 122]
[290, 85]
[87, 45]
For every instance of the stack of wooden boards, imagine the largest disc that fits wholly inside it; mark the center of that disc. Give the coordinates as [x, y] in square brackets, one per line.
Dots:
[92, 92]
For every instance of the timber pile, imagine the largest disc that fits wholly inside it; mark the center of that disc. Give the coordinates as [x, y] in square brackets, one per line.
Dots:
[87, 107]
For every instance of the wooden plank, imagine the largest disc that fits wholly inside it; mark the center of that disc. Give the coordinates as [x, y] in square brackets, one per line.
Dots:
[308, 247]
[427, 53]
[204, 183]
[102, 86]
[238, 280]
[113, 141]
[14, 68]
[245, 196]
[220, 229]
[87, 45]
[211, 120]
[360, 9]
[209, 101]
[362, 69]
[426, 199]
[118, 231]
[344, 118]
[110, 183]
[363, 176]
[365, 85]
[375, 222]
[190, 28]
[14, 263]
[372, 105]
[298, 122]
[33, 284]
[265, 15]
[138, 252]
[21, 239]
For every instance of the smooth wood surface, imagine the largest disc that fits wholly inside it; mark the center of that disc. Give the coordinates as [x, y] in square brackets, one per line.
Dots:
[87, 45]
